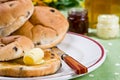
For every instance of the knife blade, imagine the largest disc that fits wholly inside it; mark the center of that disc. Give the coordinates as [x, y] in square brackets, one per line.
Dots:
[71, 62]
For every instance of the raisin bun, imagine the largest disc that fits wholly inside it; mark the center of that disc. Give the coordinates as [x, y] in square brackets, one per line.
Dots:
[13, 14]
[13, 47]
[17, 68]
[46, 28]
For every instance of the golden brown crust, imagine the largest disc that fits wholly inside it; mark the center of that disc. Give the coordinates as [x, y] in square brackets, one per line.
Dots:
[13, 14]
[16, 68]
[13, 47]
[46, 28]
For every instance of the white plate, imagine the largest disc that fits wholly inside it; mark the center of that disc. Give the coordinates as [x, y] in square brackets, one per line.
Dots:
[85, 50]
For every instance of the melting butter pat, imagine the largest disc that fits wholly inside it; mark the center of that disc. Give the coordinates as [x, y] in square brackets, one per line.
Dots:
[34, 56]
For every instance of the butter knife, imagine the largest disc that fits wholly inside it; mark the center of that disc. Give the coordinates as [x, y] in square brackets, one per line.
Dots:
[72, 63]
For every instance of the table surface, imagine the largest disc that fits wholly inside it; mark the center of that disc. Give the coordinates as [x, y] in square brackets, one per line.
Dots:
[110, 69]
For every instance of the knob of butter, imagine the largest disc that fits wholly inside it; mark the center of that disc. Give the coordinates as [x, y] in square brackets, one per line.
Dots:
[34, 56]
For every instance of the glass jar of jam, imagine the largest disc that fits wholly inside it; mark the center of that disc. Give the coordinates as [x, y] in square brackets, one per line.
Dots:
[78, 20]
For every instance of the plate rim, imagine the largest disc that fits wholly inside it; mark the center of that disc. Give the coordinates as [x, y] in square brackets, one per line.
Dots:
[99, 62]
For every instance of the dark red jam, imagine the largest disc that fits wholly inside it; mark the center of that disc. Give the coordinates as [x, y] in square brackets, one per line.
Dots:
[78, 21]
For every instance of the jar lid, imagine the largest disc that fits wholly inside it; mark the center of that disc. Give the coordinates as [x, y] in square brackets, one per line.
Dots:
[78, 11]
[108, 19]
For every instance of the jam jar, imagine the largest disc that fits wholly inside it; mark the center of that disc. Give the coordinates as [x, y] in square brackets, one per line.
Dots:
[78, 20]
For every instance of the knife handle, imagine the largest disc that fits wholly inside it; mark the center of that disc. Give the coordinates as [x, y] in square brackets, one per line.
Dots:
[74, 64]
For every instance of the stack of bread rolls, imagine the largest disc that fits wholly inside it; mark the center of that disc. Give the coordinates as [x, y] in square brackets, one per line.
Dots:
[46, 27]
[23, 27]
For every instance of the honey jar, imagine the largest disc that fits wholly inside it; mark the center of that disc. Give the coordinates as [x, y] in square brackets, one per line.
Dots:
[108, 26]
[98, 7]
